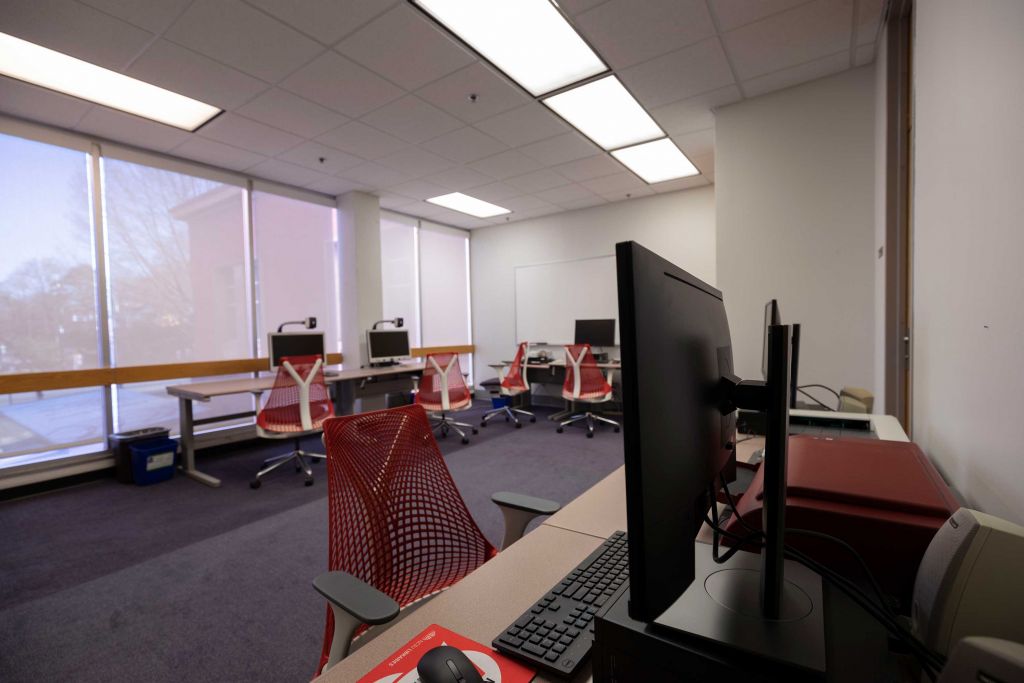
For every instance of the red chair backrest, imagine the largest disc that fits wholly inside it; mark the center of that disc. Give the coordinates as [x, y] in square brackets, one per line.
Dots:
[592, 382]
[397, 520]
[431, 390]
[515, 379]
[282, 411]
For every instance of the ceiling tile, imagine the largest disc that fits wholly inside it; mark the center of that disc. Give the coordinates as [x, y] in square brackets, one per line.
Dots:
[578, 6]
[460, 178]
[796, 75]
[680, 184]
[527, 203]
[405, 47]
[694, 113]
[251, 135]
[341, 85]
[310, 153]
[684, 73]
[617, 183]
[592, 167]
[592, 200]
[506, 164]
[412, 119]
[567, 194]
[216, 154]
[190, 73]
[493, 93]
[326, 20]
[557, 150]
[735, 13]
[626, 32]
[440, 214]
[131, 130]
[536, 181]
[629, 193]
[419, 189]
[390, 200]
[706, 165]
[335, 186]
[281, 109]
[283, 172]
[74, 29]
[39, 104]
[865, 54]
[495, 192]
[152, 16]
[799, 35]
[696, 143]
[523, 125]
[869, 18]
[465, 145]
[416, 162]
[375, 175]
[243, 37]
[362, 140]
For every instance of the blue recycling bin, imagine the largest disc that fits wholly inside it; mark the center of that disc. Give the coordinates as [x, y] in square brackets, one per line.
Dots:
[153, 460]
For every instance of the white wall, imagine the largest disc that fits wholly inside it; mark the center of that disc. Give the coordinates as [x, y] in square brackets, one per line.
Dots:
[968, 203]
[679, 225]
[794, 189]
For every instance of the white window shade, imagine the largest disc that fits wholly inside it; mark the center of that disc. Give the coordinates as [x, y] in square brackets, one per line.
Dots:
[444, 285]
[399, 270]
[296, 266]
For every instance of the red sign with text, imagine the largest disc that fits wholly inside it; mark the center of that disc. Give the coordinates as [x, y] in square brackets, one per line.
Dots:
[400, 667]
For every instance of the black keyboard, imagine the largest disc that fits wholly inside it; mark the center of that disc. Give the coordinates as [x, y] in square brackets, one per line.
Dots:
[556, 634]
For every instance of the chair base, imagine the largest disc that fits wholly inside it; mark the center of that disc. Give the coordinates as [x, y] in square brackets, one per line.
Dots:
[510, 413]
[298, 455]
[442, 424]
[591, 419]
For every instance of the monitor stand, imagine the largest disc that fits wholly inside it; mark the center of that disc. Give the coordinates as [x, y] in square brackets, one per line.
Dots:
[716, 628]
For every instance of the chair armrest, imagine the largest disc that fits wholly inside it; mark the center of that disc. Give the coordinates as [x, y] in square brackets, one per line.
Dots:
[518, 510]
[353, 602]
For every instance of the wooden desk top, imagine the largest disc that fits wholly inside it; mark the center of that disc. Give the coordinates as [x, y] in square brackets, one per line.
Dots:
[204, 391]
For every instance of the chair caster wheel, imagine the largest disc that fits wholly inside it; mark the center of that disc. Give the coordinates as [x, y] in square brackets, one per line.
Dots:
[475, 431]
[559, 430]
[465, 440]
[506, 419]
[483, 423]
[519, 425]
[255, 484]
[298, 468]
[533, 419]
[309, 482]
[617, 430]
[590, 435]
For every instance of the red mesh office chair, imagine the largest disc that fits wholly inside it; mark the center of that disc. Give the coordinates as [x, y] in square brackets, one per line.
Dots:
[399, 529]
[585, 383]
[513, 382]
[297, 406]
[442, 389]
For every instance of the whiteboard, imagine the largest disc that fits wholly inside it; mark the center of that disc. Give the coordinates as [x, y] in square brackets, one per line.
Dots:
[550, 297]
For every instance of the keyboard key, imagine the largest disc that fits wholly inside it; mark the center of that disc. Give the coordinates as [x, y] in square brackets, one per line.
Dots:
[559, 648]
[534, 649]
[511, 640]
[580, 623]
[536, 639]
[565, 640]
[552, 656]
[547, 643]
[572, 633]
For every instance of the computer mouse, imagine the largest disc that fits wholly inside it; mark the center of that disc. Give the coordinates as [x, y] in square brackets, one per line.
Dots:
[446, 664]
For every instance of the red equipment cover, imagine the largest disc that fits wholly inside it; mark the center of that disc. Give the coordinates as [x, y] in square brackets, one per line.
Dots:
[400, 667]
[885, 498]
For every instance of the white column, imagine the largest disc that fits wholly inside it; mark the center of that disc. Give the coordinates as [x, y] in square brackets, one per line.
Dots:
[361, 291]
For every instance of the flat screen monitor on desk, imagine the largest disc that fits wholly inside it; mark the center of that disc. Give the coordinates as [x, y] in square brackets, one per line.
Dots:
[595, 332]
[387, 347]
[281, 344]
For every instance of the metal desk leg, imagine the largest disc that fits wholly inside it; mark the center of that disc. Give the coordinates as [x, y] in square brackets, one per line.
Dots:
[345, 397]
[188, 451]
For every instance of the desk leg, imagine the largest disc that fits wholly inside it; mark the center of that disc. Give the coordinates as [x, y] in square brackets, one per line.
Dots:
[188, 450]
[345, 398]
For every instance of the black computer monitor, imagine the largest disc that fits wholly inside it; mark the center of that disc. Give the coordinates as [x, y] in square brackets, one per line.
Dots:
[679, 397]
[772, 316]
[595, 332]
[281, 344]
[387, 346]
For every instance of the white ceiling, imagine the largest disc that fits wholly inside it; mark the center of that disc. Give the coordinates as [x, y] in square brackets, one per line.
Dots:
[381, 94]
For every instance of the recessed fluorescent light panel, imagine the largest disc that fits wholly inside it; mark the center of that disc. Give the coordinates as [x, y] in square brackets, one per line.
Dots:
[605, 112]
[466, 204]
[529, 40]
[50, 69]
[656, 161]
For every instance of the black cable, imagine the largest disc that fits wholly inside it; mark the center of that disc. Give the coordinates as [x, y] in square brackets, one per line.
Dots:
[815, 399]
[839, 399]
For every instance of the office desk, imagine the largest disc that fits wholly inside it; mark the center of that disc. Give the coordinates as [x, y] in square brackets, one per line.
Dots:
[347, 384]
[489, 599]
